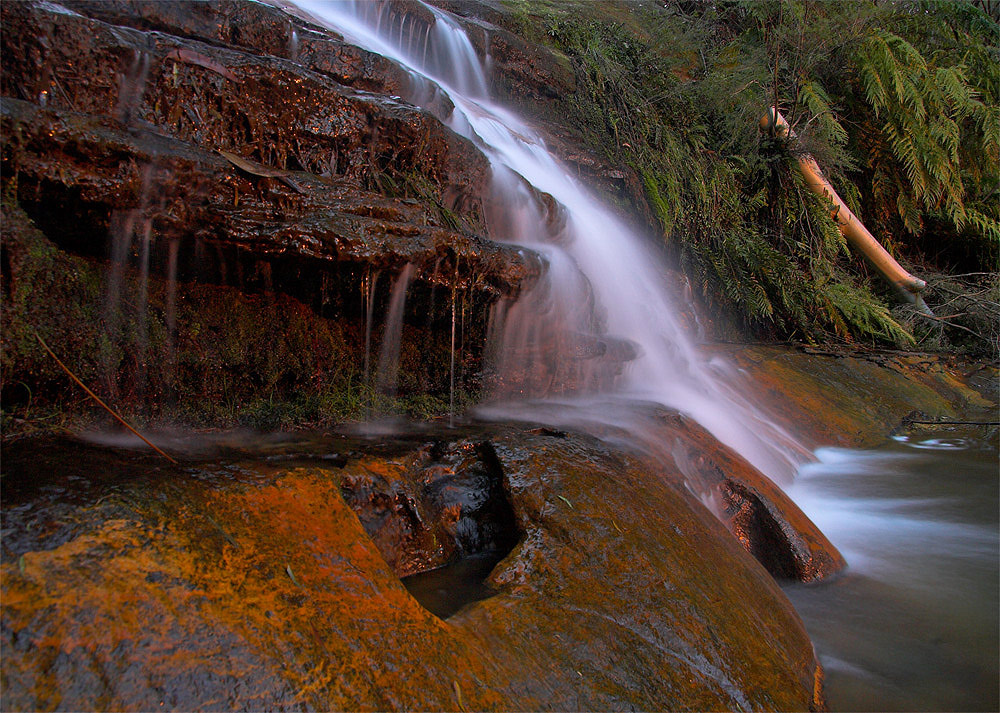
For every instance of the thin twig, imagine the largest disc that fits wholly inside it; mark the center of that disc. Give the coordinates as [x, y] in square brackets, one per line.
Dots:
[956, 423]
[952, 324]
[97, 398]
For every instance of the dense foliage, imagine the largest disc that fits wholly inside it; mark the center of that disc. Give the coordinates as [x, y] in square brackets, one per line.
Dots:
[897, 102]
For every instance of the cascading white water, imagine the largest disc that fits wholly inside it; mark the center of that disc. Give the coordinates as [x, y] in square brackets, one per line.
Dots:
[601, 320]
[388, 361]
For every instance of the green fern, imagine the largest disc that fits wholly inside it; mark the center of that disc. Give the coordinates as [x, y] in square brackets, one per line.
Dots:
[923, 108]
[857, 311]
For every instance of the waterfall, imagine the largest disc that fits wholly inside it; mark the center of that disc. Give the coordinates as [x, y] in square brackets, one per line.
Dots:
[388, 361]
[600, 324]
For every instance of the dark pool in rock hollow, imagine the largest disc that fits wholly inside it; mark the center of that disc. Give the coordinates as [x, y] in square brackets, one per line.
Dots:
[444, 591]
[912, 624]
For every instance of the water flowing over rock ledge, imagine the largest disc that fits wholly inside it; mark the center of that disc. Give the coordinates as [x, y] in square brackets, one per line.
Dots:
[229, 147]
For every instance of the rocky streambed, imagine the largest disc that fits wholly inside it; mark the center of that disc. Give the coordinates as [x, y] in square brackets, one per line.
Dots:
[210, 211]
[265, 571]
[269, 577]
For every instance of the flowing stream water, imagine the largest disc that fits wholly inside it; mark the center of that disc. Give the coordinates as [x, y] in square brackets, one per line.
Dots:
[913, 622]
[601, 319]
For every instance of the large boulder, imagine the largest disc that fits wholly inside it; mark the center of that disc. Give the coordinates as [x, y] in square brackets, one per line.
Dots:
[248, 581]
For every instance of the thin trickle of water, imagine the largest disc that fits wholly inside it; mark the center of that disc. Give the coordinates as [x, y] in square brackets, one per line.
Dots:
[494, 329]
[388, 362]
[601, 319]
[121, 229]
[171, 307]
[369, 286]
[293, 44]
[131, 87]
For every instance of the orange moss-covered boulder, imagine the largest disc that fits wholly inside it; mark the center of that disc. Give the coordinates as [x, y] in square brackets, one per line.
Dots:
[249, 582]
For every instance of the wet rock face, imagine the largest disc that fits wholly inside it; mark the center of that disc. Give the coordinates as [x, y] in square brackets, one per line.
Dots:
[237, 145]
[855, 398]
[258, 105]
[445, 502]
[255, 578]
[259, 108]
[768, 524]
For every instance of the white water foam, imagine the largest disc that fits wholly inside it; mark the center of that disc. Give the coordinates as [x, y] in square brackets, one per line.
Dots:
[600, 320]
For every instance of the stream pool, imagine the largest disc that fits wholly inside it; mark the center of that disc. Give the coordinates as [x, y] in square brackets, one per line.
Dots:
[912, 623]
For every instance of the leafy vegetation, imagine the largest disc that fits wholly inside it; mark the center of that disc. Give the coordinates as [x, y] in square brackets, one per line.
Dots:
[896, 101]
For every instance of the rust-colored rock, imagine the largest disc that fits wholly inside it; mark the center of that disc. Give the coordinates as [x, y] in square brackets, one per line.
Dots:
[246, 583]
[277, 112]
[202, 196]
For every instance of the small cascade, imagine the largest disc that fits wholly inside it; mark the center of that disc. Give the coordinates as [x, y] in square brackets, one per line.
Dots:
[601, 320]
[293, 43]
[126, 315]
[121, 230]
[368, 287]
[131, 87]
[388, 361]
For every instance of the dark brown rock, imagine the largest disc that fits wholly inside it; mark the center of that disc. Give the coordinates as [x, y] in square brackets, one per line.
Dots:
[93, 167]
[259, 28]
[276, 112]
[118, 118]
[432, 506]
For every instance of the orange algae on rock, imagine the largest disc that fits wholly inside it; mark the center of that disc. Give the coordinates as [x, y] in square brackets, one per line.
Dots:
[255, 586]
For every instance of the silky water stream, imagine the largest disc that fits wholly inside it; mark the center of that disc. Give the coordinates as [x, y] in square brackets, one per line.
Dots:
[912, 623]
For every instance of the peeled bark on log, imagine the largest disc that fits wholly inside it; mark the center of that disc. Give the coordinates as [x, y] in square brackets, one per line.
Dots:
[908, 286]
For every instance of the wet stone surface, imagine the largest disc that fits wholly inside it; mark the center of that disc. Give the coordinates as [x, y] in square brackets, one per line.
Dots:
[257, 574]
[186, 146]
